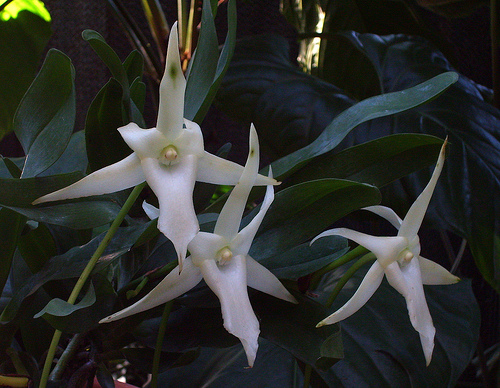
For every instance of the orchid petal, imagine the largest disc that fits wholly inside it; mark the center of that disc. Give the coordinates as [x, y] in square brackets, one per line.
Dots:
[434, 274]
[146, 143]
[118, 176]
[190, 141]
[366, 289]
[172, 88]
[413, 219]
[215, 170]
[243, 240]
[205, 245]
[386, 249]
[418, 311]
[260, 278]
[175, 284]
[229, 283]
[229, 220]
[173, 185]
[151, 211]
[387, 213]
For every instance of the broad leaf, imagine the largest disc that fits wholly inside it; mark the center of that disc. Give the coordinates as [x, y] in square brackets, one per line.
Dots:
[24, 32]
[45, 117]
[381, 345]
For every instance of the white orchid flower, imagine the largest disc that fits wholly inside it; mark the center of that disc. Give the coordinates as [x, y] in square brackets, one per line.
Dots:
[169, 157]
[222, 259]
[399, 259]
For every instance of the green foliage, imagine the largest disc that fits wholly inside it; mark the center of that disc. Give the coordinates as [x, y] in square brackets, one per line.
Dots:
[24, 32]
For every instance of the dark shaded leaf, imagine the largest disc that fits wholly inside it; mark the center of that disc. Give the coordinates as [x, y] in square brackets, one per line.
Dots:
[466, 200]
[71, 264]
[23, 35]
[11, 224]
[36, 247]
[85, 315]
[381, 345]
[300, 212]
[45, 117]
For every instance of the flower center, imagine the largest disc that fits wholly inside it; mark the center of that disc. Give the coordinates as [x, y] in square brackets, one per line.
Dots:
[224, 255]
[169, 155]
[405, 257]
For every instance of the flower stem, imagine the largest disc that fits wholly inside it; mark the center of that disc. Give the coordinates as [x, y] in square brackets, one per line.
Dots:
[159, 341]
[85, 275]
[66, 356]
[351, 255]
[348, 274]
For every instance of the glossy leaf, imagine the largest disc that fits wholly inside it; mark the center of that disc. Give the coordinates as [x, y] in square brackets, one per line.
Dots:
[207, 67]
[71, 264]
[37, 246]
[84, 315]
[11, 224]
[300, 212]
[377, 162]
[106, 114]
[45, 117]
[381, 345]
[467, 196]
[24, 32]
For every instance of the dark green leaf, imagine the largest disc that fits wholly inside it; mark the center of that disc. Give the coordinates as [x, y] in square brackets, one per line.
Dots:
[11, 225]
[305, 259]
[466, 200]
[381, 345]
[85, 315]
[377, 162]
[13, 170]
[203, 64]
[24, 34]
[108, 56]
[74, 157]
[45, 117]
[71, 264]
[36, 247]
[134, 66]
[300, 212]
[105, 146]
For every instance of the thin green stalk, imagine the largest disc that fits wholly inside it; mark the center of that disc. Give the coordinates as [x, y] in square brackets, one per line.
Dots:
[85, 275]
[66, 356]
[348, 274]
[159, 341]
[351, 255]
[307, 376]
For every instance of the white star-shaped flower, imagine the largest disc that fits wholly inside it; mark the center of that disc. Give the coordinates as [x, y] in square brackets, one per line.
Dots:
[399, 259]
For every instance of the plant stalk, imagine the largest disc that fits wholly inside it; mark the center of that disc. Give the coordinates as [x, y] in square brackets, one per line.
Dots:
[85, 275]
[159, 341]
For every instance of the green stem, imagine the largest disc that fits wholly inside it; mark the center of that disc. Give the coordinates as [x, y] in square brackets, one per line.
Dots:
[351, 255]
[348, 274]
[159, 341]
[16, 361]
[85, 275]
[66, 356]
[307, 376]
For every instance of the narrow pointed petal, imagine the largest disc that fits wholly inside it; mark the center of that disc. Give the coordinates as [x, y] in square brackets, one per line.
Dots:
[386, 249]
[366, 289]
[434, 274]
[146, 143]
[172, 88]
[413, 219]
[229, 219]
[229, 284]
[151, 211]
[243, 240]
[173, 185]
[260, 278]
[387, 213]
[119, 176]
[418, 311]
[172, 286]
[218, 171]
